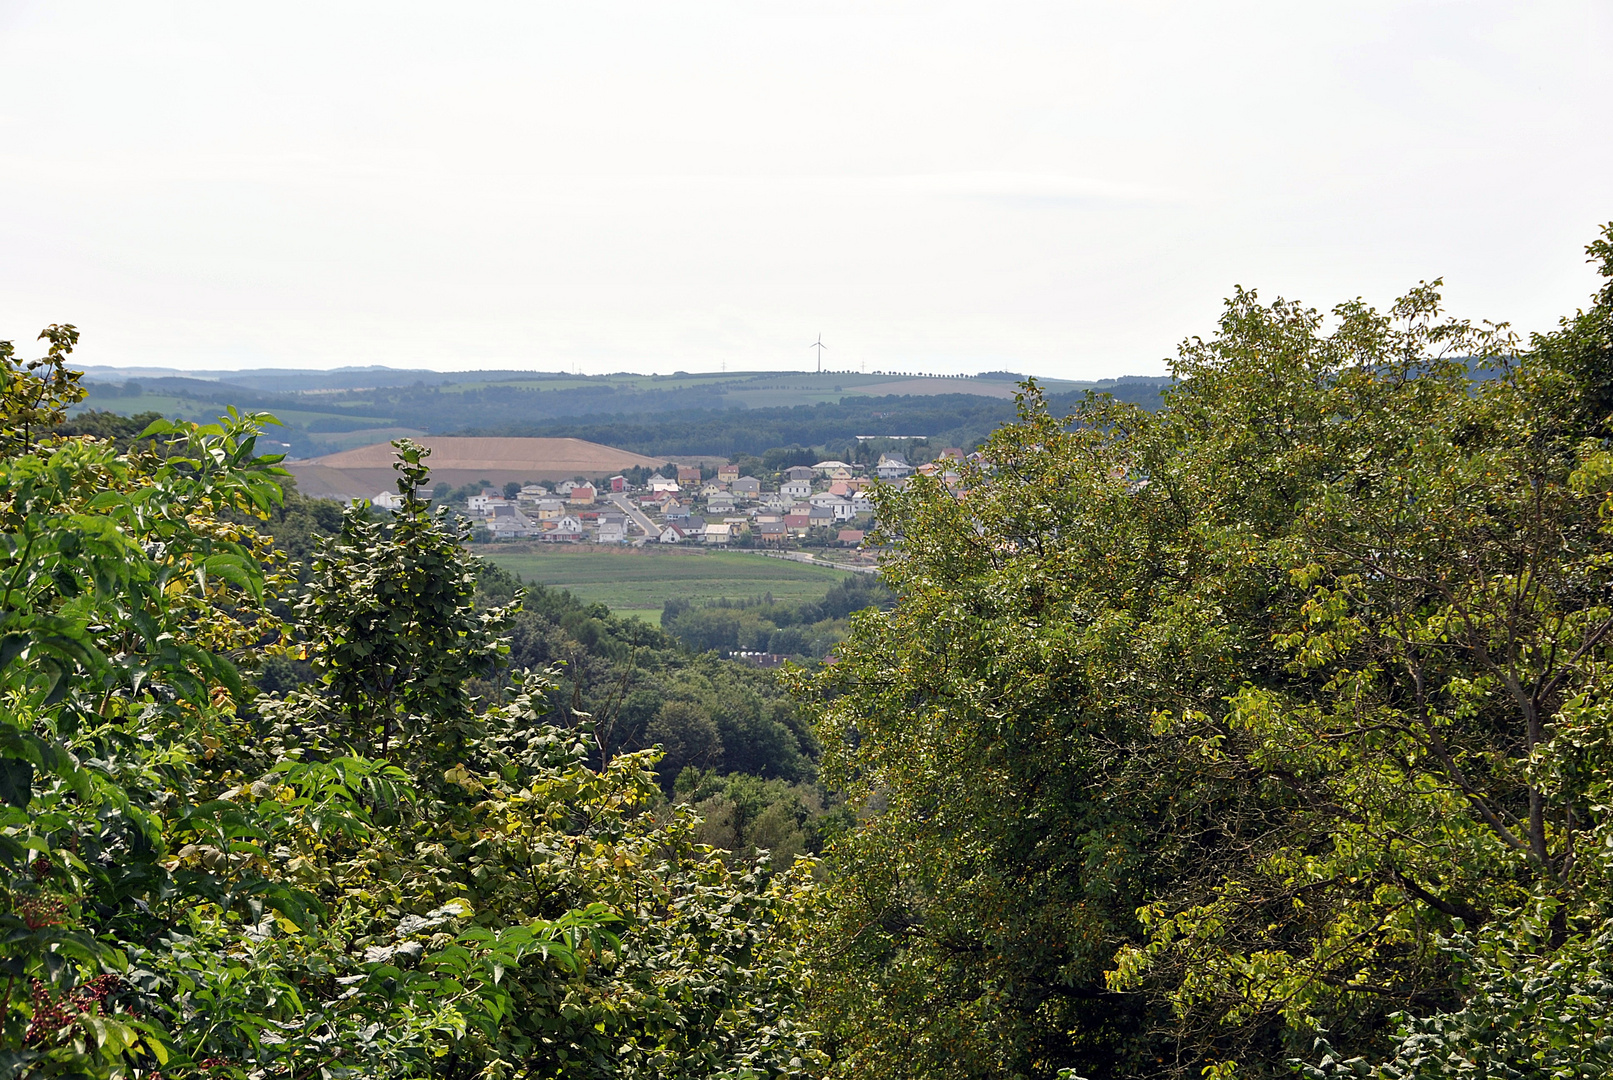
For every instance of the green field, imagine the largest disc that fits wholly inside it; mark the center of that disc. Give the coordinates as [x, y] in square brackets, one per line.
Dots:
[638, 581]
[366, 431]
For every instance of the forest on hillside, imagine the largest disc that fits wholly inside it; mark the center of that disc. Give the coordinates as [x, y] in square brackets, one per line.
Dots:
[653, 420]
[944, 419]
[1265, 733]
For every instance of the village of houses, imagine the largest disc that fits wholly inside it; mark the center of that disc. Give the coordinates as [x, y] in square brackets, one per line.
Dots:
[827, 504]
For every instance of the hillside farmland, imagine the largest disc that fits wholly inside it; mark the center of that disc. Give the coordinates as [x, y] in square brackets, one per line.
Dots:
[639, 581]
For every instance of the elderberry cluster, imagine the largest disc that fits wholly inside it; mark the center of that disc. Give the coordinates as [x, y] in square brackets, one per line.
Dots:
[39, 912]
[52, 1015]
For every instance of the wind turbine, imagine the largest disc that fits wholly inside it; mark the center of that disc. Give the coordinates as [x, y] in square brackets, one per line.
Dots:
[820, 346]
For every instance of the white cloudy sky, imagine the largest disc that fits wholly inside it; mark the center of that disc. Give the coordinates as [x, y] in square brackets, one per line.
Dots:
[1063, 188]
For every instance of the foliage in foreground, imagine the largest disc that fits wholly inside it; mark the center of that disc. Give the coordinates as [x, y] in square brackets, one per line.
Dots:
[1269, 733]
[369, 875]
[1281, 714]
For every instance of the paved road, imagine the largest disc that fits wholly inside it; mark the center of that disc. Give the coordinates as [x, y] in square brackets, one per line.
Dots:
[635, 515]
[812, 560]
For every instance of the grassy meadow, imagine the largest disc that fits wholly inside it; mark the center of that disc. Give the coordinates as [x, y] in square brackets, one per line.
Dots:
[638, 581]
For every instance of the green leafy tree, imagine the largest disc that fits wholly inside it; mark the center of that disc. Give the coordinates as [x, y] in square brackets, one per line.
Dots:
[126, 603]
[197, 882]
[393, 629]
[1534, 1006]
[1196, 733]
[36, 394]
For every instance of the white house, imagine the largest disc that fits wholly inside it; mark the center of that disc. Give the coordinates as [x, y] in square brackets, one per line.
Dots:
[796, 489]
[670, 534]
[662, 484]
[612, 532]
[720, 503]
[485, 502]
[893, 469]
[861, 504]
[839, 506]
[388, 500]
[718, 532]
[567, 529]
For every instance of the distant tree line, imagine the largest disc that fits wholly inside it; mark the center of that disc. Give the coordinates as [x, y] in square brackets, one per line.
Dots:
[947, 419]
[805, 630]
[653, 421]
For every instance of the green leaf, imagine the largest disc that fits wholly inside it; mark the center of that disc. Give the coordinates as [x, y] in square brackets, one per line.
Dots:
[16, 782]
[158, 427]
[11, 647]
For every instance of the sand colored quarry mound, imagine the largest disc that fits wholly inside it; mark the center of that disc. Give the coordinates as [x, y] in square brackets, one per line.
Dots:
[366, 471]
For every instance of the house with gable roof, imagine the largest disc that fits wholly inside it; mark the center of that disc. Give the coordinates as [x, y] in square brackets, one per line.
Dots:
[893, 467]
[568, 529]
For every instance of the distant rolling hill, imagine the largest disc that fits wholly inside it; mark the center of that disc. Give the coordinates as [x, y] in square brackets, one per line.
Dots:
[328, 411]
[734, 388]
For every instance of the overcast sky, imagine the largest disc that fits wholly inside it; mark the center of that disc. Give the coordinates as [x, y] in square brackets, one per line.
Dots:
[1066, 189]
